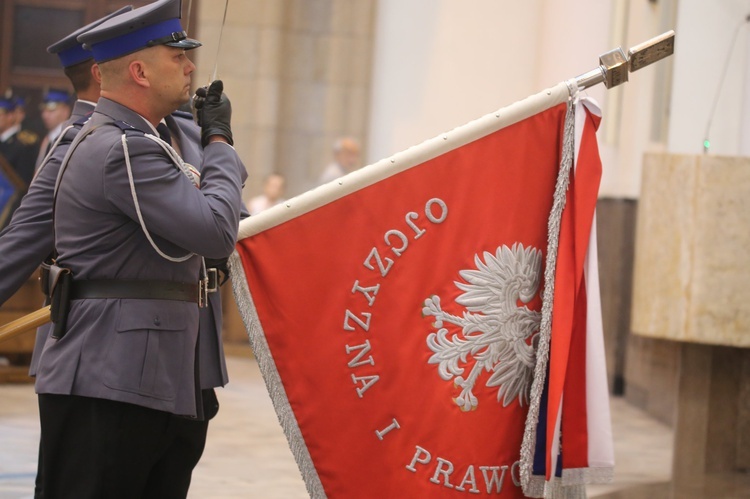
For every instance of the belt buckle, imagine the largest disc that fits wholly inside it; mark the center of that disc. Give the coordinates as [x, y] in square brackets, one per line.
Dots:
[209, 284]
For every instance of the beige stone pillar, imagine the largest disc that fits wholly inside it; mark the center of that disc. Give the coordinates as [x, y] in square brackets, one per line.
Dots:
[297, 73]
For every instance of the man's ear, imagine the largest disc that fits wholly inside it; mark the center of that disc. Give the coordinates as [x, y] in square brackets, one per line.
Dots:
[137, 69]
[96, 74]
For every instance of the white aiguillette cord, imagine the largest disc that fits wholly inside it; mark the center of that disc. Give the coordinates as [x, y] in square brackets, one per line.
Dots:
[129, 169]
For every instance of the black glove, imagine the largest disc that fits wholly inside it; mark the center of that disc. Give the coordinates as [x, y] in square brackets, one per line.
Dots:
[213, 111]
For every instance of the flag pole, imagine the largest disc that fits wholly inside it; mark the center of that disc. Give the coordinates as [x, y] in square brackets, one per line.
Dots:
[25, 323]
[613, 70]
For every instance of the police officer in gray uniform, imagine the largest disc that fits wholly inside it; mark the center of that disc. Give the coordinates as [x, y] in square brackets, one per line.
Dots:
[29, 239]
[119, 383]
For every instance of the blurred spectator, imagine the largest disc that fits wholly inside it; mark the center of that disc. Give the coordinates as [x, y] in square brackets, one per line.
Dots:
[55, 109]
[345, 160]
[19, 147]
[273, 194]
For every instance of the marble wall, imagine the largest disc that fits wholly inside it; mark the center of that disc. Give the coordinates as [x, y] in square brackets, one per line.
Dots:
[692, 264]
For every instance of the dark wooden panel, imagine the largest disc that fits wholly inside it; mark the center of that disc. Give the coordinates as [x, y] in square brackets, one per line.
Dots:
[616, 241]
[28, 27]
[35, 28]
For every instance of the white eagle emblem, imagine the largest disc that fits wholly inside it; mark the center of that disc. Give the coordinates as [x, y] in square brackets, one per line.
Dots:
[497, 334]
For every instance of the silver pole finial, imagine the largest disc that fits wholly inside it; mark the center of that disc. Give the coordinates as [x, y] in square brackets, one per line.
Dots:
[614, 66]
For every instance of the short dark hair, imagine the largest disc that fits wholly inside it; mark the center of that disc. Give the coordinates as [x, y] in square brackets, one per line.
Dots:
[80, 75]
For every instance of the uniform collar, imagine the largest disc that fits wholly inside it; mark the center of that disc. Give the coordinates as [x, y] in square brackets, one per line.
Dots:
[122, 113]
[80, 109]
[86, 103]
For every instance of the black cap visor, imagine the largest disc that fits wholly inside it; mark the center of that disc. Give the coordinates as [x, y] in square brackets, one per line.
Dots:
[177, 40]
[187, 44]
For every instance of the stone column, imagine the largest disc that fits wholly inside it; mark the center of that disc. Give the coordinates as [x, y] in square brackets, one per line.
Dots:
[297, 72]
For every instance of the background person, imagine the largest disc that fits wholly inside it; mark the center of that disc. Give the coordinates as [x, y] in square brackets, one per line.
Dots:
[19, 147]
[55, 109]
[346, 158]
[274, 186]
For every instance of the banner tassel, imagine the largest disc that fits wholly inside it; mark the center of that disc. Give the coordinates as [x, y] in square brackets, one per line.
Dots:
[535, 486]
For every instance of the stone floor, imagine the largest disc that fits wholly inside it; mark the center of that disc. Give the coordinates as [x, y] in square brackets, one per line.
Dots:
[247, 456]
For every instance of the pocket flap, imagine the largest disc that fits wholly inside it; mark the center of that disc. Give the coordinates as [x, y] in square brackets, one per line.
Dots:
[163, 315]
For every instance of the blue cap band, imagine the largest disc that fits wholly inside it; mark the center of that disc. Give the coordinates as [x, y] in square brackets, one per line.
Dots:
[56, 96]
[134, 41]
[7, 104]
[74, 55]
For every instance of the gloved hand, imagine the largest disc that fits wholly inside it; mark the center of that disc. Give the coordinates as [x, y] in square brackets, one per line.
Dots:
[213, 112]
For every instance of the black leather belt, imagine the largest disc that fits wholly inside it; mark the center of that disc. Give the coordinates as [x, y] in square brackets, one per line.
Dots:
[135, 289]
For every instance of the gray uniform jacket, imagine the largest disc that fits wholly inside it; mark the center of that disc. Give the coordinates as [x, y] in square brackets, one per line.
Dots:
[133, 350]
[29, 239]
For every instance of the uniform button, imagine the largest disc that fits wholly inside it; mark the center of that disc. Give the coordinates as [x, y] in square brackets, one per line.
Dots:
[157, 321]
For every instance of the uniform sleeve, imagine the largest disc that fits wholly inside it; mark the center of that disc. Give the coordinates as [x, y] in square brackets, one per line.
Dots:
[29, 237]
[204, 221]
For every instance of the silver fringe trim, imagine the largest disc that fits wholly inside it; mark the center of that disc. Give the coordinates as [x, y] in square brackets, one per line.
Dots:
[272, 379]
[559, 491]
[530, 487]
[534, 487]
[556, 489]
[588, 475]
[571, 478]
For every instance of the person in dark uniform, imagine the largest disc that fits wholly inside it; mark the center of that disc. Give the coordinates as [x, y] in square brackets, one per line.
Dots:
[119, 383]
[24, 134]
[19, 147]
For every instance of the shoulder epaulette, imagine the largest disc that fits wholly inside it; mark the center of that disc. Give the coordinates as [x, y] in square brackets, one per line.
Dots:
[82, 120]
[27, 137]
[127, 127]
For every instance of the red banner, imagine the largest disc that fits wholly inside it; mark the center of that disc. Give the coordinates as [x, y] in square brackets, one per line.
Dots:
[402, 317]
